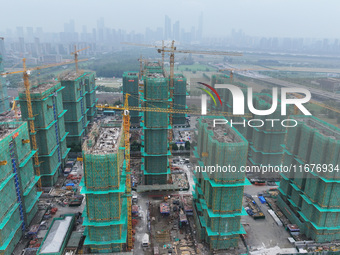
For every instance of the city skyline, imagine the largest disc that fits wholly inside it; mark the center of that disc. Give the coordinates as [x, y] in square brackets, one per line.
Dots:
[281, 18]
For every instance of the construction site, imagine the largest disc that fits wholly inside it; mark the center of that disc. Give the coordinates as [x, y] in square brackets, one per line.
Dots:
[76, 181]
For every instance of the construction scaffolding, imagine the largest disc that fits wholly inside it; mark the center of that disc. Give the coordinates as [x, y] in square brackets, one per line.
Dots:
[155, 147]
[105, 214]
[309, 195]
[265, 141]
[130, 86]
[180, 95]
[91, 99]
[265, 146]
[4, 99]
[218, 195]
[74, 101]
[18, 193]
[51, 136]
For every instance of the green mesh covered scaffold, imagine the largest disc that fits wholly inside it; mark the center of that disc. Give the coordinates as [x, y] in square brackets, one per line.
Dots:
[18, 193]
[49, 115]
[74, 101]
[104, 188]
[312, 196]
[218, 195]
[264, 142]
[91, 98]
[4, 99]
[155, 149]
[130, 86]
[180, 99]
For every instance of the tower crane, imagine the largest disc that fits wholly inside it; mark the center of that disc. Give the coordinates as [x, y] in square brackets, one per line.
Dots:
[126, 124]
[26, 72]
[75, 53]
[172, 50]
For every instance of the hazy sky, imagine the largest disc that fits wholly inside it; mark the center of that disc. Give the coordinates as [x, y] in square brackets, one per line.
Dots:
[293, 18]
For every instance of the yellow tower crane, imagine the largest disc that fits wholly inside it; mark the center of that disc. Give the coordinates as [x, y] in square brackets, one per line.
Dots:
[26, 72]
[75, 53]
[126, 124]
[172, 50]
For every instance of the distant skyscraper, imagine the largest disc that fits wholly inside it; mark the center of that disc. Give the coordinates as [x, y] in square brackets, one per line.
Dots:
[30, 35]
[200, 27]
[193, 34]
[22, 48]
[20, 31]
[100, 29]
[167, 27]
[176, 31]
[2, 48]
[69, 27]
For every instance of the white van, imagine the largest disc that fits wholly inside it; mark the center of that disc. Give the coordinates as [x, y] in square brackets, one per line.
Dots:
[145, 240]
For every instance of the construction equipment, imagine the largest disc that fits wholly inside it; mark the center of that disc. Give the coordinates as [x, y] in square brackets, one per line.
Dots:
[172, 50]
[75, 53]
[26, 72]
[126, 125]
[15, 109]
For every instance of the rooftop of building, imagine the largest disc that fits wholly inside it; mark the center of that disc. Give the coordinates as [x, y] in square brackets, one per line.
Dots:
[154, 75]
[43, 86]
[71, 75]
[154, 63]
[104, 137]
[40, 90]
[324, 128]
[178, 75]
[6, 128]
[130, 74]
[222, 133]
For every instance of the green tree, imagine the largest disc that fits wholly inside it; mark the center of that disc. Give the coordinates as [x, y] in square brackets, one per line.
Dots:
[187, 145]
[181, 147]
[174, 147]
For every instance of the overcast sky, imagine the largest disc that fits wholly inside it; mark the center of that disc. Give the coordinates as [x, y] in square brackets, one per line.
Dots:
[281, 18]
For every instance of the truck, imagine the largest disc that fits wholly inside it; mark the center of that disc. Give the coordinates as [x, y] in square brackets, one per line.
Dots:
[164, 209]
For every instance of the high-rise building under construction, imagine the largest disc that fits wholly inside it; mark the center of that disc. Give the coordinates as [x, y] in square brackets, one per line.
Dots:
[309, 191]
[18, 193]
[130, 86]
[180, 91]
[4, 102]
[78, 89]
[155, 151]
[49, 114]
[104, 186]
[265, 137]
[218, 195]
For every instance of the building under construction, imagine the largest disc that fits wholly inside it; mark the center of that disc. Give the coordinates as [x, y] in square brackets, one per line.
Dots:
[309, 193]
[4, 100]
[218, 195]
[49, 114]
[155, 152]
[78, 88]
[180, 98]
[18, 193]
[130, 86]
[91, 99]
[265, 142]
[104, 186]
[265, 146]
